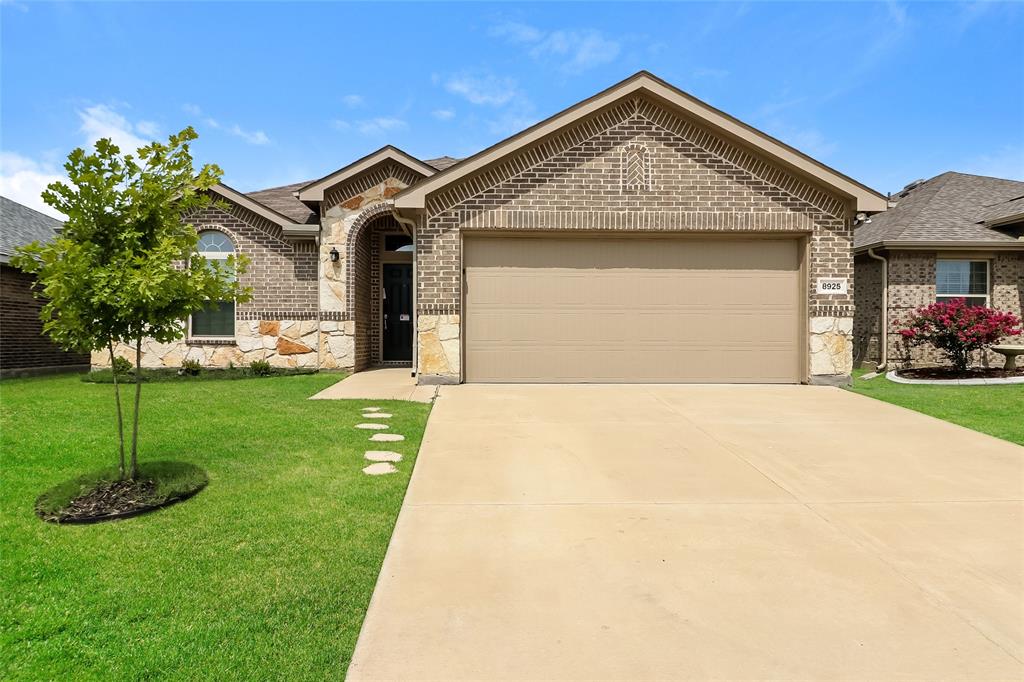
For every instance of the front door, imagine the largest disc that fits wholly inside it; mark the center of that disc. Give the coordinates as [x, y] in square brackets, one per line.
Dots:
[397, 312]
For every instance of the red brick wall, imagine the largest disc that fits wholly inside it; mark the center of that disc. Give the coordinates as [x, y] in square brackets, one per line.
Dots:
[22, 344]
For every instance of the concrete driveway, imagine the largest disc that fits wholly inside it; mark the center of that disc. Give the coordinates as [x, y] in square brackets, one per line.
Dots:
[702, 532]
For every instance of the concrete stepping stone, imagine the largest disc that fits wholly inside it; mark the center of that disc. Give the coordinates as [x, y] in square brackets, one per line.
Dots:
[382, 456]
[371, 409]
[377, 415]
[372, 426]
[379, 469]
[386, 437]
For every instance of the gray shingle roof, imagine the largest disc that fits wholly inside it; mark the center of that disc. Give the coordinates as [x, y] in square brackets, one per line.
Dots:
[21, 225]
[1006, 210]
[280, 199]
[950, 207]
[442, 162]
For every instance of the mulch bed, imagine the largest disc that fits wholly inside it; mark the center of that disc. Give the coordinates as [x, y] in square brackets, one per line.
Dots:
[113, 500]
[950, 373]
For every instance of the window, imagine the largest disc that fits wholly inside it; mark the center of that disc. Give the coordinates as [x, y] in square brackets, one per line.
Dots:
[217, 320]
[398, 242]
[962, 279]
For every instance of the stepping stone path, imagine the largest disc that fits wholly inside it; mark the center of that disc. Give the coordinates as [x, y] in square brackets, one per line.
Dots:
[382, 456]
[379, 469]
[378, 437]
[382, 459]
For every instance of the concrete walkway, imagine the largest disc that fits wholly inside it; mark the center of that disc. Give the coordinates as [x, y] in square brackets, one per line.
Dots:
[392, 383]
[699, 532]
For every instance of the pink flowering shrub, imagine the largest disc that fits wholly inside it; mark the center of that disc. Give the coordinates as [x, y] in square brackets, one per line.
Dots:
[958, 329]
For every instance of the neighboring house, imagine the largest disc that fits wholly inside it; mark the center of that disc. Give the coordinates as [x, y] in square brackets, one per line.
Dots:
[638, 236]
[955, 235]
[23, 347]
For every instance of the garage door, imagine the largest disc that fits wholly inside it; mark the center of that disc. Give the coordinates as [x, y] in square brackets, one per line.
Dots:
[589, 309]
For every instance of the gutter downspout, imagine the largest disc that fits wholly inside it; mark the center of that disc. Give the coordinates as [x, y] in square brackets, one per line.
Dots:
[411, 226]
[884, 331]
[319, 276]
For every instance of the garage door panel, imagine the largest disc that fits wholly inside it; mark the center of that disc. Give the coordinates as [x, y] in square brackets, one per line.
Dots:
[636, 309]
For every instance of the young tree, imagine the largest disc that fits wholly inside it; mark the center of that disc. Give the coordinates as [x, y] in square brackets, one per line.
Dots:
[958, 329]
[124, 268]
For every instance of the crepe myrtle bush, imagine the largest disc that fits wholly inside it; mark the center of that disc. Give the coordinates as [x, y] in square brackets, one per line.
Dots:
[958, 329]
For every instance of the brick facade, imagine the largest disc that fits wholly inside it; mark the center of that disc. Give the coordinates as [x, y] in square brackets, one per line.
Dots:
[912, 286]
[590, 177]
[23, 346]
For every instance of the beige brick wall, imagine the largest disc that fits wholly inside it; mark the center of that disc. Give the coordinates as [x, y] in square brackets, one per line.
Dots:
[912, 286]
[586, 179]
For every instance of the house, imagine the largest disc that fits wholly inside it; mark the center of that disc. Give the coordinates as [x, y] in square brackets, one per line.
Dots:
[23, 347]
[955, 235]
[640, 235]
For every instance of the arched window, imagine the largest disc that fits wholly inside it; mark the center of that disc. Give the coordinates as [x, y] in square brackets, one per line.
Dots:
[217, 319]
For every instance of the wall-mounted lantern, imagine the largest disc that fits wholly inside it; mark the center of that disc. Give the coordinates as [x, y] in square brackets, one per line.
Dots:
[334, 255]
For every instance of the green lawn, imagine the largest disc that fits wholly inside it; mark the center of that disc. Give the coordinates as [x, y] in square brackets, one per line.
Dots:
[266, 573]
[996, 410]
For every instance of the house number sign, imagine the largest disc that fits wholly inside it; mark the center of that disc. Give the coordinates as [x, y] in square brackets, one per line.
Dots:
[831, 286]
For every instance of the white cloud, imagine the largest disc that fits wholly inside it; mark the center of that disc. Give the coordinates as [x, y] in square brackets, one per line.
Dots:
[486, 89]
[353, 101]
[584, 49]
[1007, 162]
[257, 137]
[516, 32]
[576, 49]
[443, 114]
[23, 179]
[252, 137]
[101, 121]
[372, 126]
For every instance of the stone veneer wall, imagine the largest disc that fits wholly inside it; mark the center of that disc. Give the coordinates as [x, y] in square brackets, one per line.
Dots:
[635, 167]
[353, 216]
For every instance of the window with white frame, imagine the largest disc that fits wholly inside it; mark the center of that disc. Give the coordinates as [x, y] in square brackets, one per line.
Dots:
[217, 319]
[966, 279]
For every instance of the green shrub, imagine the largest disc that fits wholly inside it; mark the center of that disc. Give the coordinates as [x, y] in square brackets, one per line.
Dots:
[260, 368]
[191, 367]
[122, 366]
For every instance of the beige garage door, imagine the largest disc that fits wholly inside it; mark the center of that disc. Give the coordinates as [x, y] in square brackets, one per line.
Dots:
[596, 309]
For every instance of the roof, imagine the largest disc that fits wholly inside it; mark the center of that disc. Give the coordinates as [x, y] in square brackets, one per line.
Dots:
[442, 162]
[951, 207]
[282, 199]
[866, 199]
[314, 191]
[1011, 211]
[289, 227]
[21, 225]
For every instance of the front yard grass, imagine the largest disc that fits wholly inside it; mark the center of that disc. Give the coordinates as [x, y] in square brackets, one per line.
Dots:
[995, 410]
[266, 573]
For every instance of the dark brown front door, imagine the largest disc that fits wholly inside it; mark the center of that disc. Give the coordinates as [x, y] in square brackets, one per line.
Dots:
[397, 312]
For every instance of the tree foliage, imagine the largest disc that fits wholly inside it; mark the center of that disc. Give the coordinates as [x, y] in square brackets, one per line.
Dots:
[124, 267]
[959, 329]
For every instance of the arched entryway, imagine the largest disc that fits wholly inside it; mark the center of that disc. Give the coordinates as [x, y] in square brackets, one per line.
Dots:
[381, 291]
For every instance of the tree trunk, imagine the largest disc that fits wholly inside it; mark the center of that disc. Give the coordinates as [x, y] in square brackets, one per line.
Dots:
[120, 418]
[135, 415]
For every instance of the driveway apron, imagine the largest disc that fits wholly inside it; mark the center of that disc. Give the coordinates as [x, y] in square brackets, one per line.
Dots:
[698, 532]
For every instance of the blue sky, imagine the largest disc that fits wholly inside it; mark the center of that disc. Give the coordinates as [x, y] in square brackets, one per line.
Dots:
[281, 93]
